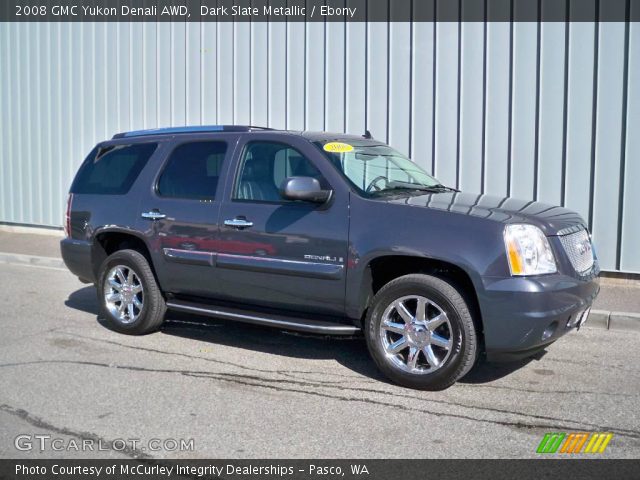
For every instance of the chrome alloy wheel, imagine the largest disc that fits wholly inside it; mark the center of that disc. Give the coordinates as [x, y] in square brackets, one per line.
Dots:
[123, 294]
[416, 334]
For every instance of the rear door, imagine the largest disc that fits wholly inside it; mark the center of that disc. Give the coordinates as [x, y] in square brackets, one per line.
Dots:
[179, 213]
[278, 253]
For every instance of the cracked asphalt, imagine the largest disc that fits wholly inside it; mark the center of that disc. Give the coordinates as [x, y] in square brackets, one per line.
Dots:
[241, 391]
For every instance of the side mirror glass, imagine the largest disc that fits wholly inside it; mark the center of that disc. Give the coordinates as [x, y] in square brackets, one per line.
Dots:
[307, 189]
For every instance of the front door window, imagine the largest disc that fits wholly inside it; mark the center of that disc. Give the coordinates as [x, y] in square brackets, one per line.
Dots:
[265, 165]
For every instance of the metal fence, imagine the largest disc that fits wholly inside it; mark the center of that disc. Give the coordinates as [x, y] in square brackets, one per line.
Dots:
[544, 111]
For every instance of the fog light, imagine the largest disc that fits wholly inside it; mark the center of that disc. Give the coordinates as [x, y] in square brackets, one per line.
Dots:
[550, 330]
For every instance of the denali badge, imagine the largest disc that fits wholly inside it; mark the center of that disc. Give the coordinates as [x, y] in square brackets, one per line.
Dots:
[325, 258]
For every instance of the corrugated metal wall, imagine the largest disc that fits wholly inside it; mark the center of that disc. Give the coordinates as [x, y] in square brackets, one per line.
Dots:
[539, 111]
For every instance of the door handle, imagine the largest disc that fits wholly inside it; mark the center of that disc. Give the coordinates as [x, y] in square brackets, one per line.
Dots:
[153, 215]
[238, 223]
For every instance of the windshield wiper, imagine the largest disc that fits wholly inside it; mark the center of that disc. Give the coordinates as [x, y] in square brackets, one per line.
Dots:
[438, 188]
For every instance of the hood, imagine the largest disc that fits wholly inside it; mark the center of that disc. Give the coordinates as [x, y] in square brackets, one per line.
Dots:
[551, 219]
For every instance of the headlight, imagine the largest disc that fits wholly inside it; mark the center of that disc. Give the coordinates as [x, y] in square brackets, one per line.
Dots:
[528, 250]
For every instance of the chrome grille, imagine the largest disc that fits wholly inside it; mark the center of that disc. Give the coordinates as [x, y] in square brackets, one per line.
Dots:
[579, 250]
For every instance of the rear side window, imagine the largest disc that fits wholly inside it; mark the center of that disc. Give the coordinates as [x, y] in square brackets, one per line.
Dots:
[193, 171]
[112, 170]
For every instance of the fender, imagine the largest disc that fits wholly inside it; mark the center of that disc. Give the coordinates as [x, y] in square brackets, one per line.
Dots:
[443, 243]
[360, 287]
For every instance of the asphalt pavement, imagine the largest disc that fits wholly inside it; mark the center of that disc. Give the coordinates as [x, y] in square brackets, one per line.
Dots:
[229, 390]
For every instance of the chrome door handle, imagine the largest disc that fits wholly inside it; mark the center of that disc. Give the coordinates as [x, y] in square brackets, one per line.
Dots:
[153, 215]
[238, 223]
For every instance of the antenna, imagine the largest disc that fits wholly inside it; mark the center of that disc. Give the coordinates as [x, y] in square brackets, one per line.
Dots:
[367, 134]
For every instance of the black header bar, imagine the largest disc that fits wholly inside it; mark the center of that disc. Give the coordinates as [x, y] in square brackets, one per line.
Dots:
[261, 469]
[319, 10]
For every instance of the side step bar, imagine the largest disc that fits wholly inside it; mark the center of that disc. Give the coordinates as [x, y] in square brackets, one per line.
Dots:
[268, 319]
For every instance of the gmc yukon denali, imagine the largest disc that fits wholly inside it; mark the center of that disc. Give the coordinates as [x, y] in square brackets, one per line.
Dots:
[324, 233]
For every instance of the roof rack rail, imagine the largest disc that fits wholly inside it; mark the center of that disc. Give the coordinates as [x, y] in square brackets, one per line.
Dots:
[192, 129]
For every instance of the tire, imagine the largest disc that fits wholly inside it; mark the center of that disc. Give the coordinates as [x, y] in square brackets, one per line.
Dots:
[436, 367]
[148, 310]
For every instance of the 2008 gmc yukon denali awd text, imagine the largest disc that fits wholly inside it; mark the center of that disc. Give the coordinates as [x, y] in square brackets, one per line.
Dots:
[325, 233]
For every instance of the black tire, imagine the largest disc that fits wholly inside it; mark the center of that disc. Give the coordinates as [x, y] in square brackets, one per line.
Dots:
[461, 333]
[150, 317]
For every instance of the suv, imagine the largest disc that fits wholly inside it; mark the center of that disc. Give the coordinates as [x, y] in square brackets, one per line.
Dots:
[325, 233]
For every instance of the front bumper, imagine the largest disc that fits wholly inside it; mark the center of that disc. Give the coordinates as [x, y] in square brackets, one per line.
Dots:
[522, 315]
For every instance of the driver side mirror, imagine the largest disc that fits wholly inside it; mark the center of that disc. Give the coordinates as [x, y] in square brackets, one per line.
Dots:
[307, 189]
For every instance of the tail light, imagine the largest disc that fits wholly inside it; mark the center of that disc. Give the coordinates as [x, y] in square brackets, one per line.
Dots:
[67, 216]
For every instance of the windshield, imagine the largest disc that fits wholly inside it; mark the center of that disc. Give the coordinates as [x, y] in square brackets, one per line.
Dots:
[376, 169]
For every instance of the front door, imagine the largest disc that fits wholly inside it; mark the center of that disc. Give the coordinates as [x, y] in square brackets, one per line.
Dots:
[278, 253]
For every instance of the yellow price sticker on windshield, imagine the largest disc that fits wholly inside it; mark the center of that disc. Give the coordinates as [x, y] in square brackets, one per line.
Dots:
[337, 147]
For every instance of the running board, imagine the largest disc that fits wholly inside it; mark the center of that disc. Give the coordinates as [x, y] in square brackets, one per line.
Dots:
[268, 319]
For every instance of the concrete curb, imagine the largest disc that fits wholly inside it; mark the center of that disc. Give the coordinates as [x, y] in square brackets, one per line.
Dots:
[49, 231]
[32, 260]
[597, 318]
[613, 320]
[624, 321]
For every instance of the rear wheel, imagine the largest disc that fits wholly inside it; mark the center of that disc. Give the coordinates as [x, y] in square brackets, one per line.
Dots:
[129, 297]
[420, 332]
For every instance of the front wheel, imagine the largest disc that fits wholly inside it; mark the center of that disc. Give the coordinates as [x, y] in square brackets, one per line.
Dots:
[129, 297]
[420, 332]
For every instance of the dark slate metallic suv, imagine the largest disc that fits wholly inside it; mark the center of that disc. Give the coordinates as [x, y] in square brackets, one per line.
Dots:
[324, 233]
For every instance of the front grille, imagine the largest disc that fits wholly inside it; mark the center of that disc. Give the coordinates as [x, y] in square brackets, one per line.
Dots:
[578, 248]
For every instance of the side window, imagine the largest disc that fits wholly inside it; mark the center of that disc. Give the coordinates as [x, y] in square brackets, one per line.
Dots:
[264, 167]
[112, 170]
[193, 171]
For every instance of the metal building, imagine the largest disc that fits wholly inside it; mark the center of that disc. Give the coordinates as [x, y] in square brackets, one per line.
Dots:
[546, 111]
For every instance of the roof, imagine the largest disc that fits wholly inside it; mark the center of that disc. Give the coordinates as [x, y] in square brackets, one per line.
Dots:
[311, 136]
[190, 129]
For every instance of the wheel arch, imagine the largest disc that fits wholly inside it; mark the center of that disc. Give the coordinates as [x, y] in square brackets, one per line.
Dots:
[109, 240]
[384, 268]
